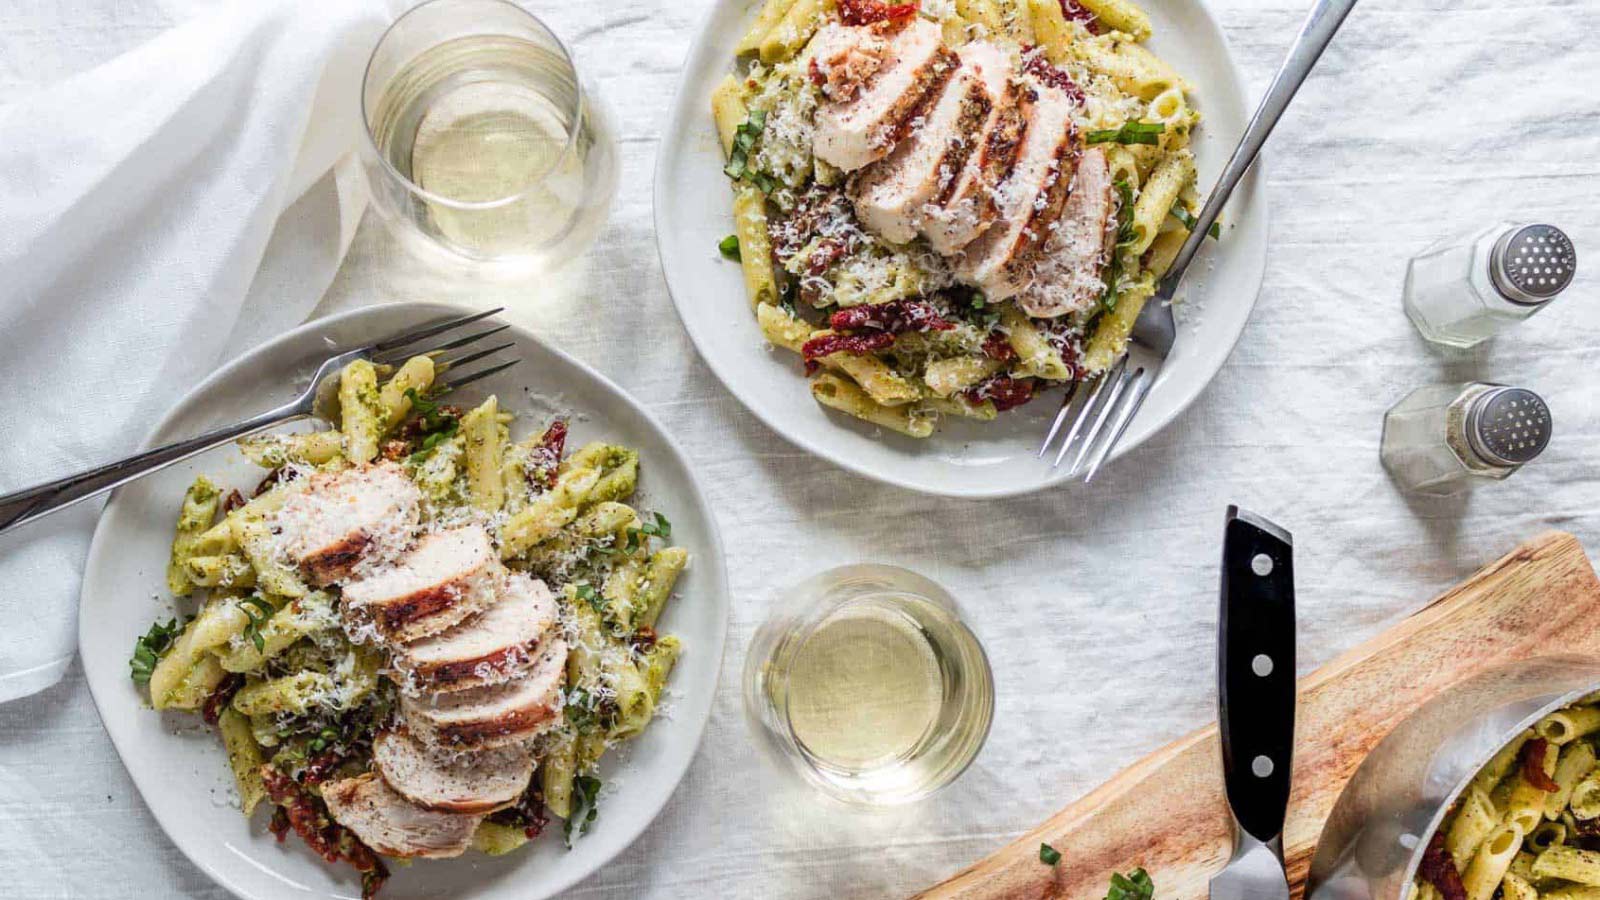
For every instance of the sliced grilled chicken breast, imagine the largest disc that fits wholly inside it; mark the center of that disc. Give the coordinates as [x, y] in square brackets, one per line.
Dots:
[344, 520]
[1030, 199]
[859, 123]
[493, 646]
[965, 208]
[1067, 276]
[446, 577]
[452, 781]
[393, 825]
[889, 194]
[496, 715]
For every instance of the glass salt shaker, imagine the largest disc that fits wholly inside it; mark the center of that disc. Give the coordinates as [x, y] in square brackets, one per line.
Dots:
[1465, 289]
[1444, 438]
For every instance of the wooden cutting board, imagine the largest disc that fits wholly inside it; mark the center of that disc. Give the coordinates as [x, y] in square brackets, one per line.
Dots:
[1167, 812]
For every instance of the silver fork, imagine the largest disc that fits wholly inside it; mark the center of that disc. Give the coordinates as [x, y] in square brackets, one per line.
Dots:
[1103, 414]
[320, 400]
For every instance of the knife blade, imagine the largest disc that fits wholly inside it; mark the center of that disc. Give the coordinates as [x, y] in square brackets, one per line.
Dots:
[1255, 701]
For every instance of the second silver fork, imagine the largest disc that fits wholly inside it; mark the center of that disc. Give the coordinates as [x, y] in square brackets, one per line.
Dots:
[319, 400]
[1099, 417]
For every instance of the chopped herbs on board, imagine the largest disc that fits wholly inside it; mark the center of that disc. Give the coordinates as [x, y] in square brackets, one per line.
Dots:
[1136, 885]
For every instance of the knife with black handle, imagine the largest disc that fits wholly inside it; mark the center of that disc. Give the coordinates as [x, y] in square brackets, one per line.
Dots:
[1255, 701]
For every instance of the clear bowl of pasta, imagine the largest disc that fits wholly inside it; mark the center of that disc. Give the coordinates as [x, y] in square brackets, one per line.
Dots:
[1492, 788]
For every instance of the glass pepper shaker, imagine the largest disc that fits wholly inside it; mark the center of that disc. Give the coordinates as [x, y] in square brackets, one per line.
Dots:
[1445, 438]
[1465, 289]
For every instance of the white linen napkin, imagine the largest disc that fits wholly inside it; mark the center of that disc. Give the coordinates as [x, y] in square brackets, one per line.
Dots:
[158, 214]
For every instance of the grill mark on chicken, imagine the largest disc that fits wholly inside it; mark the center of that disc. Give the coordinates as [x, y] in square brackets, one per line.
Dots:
[1046, 211]
[963, 145]
[1000, 151]
[914, 104]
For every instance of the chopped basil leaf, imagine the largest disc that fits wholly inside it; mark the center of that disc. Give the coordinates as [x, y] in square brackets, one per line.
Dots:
[1136, 885]
[1129, 133]
[763, 182]
[579, 708]
[744, 141]
[729, 247]
[1188, 220]
[148, 650]
[634, 538]
[586, 593]
[1049, 855]
[438, 425]
[660, 528]
[257, 610]
[585, 791]
[1125, 235]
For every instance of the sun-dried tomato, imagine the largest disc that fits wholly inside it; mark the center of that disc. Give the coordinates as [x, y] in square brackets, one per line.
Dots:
[220, 695]
[1533, 756]
[643, 639]
[298, 810]
[1439, 870]
[856, 344]
[998, 346]
[866, 12]
[373, 879]
[319, 767]
[897, 317]
[280, 475]
[1075, 12]
[1003, 391]
[233, 501]
[1067, 340]
[279, 823]
[1034, 63]
[546, 457]
[527, 813]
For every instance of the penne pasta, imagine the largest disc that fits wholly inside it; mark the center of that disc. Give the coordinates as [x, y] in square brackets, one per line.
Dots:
[772, 12]
[836, 393]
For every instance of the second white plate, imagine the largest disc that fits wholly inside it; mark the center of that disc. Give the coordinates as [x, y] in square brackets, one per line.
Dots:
[964, 458]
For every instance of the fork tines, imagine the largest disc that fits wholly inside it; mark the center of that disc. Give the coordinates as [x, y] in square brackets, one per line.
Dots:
[394, 349]
[1100, 418]
[382, 350]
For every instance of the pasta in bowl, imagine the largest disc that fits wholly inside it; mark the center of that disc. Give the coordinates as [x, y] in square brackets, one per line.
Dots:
[946, 210]
[1527, 824]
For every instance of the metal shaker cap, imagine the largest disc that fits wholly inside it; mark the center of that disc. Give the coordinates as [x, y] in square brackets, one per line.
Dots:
[1532, 264]
[1508, 426]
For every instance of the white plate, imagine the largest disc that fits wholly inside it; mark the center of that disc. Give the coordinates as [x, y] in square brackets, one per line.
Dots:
[179, 764]
[964, 458]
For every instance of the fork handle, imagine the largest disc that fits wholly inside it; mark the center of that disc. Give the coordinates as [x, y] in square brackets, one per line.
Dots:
[1324, 19]
[24, 506]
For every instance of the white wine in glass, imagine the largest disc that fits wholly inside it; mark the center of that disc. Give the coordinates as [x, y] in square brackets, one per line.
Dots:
[866, 684]
[484, 145]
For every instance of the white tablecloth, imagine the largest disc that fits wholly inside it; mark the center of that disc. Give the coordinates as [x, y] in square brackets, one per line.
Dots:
[1097, 605]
